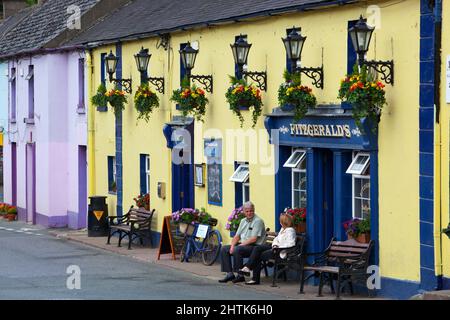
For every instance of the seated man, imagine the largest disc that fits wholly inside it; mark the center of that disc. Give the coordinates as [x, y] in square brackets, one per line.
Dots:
[251, 232]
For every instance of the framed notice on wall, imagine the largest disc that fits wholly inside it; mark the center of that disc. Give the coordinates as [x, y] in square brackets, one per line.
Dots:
[199, 175]
[213, 154]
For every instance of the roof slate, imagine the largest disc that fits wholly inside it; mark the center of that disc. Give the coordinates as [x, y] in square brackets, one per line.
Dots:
[42, 24]
[144, 17]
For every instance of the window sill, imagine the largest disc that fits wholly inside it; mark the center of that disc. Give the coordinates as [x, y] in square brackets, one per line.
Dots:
[12, 121]
[102, 109]
[81, 110]
[28, 120]
[112, 193]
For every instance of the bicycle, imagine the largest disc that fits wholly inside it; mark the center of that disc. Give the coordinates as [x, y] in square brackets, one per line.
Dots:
[209, 246]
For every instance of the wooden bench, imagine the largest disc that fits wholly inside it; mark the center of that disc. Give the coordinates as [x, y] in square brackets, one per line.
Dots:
[135, 224]
[343, 261]
[292, 260]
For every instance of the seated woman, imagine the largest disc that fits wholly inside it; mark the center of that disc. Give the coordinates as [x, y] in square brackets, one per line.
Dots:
[285, 239]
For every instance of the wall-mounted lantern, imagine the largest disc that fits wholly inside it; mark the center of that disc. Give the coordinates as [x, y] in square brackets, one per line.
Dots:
[142, 60]
[240, 50]
[361, 34]
[188, 56]
[111, 65]
[293, 44]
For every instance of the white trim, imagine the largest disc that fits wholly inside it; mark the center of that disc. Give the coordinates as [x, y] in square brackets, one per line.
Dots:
[30, 73]
[290, 164]
[244, 198]
[362, 168]
[294, 170]
[147, 173]
[235, 176]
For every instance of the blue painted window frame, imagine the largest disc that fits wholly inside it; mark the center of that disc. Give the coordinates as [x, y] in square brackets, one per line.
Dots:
[102, 78]
[30, 79]
[111, 177]
[143, 173]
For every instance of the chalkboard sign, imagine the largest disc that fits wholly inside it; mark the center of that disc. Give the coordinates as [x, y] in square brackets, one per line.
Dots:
[171, 241]
[215, 184]
[213, 153]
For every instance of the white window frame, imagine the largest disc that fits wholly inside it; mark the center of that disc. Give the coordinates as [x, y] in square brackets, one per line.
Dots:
[354, 196]
[114, 170]
[359, 176]
[147, 173]
[363, 168]
[290, 164]
[244, 179]
[293, 172]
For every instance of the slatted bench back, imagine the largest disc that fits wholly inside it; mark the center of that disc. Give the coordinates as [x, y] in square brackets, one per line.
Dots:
[349, 249]
[143, 217]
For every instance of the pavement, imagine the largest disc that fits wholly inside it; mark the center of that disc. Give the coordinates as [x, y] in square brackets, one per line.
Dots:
[288, 290]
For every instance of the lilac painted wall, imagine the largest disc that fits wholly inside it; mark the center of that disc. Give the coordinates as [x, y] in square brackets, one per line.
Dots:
[58, 131]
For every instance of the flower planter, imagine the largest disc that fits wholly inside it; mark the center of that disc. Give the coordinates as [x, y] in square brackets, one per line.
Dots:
[10, 217]
[187, 229]
[362, 238]
[287, 107]
[300, 228]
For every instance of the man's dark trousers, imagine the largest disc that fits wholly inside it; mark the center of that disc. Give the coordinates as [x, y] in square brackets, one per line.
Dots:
[240, 252]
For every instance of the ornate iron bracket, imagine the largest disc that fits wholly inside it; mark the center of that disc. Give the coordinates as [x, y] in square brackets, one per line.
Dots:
[386, 68]
[316, 74]
[206, 81]
[158, 82]
[447, 231]
[259, 77]
[125, 83]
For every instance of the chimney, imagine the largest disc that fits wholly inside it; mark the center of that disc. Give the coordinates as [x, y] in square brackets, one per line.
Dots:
[11, 7]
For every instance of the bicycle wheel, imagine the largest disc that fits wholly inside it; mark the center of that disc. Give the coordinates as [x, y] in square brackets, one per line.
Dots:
[211, 248]
[183, 253]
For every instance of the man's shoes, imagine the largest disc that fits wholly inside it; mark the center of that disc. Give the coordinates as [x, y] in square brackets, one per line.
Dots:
[245, 271]
[251, 282]
[227, 278]
[239, 279]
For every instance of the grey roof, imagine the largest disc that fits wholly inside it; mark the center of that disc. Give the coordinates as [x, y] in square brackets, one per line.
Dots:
[150, 17]
[43, 23]
[10, 22]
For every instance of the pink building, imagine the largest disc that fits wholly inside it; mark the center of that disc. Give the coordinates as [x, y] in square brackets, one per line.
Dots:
[45, 154]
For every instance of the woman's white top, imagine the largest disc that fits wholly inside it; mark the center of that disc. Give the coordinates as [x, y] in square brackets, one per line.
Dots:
[286, 238]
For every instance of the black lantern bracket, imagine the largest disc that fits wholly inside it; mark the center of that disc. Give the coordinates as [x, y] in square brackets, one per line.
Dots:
[385, 68]
[446, 231]
[158, 82]
[205, 81]
[260, 77]
[315, 74]
[126, 84]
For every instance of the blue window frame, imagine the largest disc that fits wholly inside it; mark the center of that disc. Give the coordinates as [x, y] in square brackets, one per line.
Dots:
[30, 78]
[144, 164]
[81, 102]
[103, 68]
[112, 179]
[241, 179]
[351, 53]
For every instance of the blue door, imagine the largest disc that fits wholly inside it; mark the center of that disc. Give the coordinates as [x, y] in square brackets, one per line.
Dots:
[183, 172]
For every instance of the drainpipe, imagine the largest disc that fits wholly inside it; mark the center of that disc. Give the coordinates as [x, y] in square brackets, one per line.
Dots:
[438, 146]
[91, 124]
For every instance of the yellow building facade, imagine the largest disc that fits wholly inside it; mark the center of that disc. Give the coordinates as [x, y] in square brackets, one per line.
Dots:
[396, 184]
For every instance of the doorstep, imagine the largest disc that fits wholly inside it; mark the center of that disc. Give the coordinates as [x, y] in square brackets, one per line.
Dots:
[288, 289]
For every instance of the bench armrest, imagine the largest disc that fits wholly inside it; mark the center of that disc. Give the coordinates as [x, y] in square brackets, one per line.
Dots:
[120, 219]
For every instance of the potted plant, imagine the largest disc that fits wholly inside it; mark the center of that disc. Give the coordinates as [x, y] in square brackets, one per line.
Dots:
[365, 93]
[2, 210]
[241, 95]
[144, 101]
[234, 220]
[293, 96]
[143, 201]
[358, 229]
[192, 100]
[299, 218]
[100, 99]
[11, 213]
[116, 99]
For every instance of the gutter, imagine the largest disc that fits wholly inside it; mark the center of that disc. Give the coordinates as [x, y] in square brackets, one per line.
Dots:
[205, 24]
[41, 51]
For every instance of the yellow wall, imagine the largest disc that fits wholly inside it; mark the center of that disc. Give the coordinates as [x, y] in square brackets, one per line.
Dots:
[442, 164]
[327, 28]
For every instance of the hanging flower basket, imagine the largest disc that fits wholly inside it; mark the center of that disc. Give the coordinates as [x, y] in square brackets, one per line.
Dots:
[192, 100]
[293, 96]
[366, 94]
[100, 99]
[145, 100]
[117, 100]
[241, 95]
